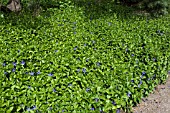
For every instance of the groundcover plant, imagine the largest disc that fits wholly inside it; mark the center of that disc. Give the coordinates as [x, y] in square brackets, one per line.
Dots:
[72, 60]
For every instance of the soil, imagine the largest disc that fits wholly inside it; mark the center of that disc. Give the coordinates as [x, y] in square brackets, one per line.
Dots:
[156, 102]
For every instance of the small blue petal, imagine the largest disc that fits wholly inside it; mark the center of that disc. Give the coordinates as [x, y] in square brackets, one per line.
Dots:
[5, 73]
[101, 111]
[38, 72]
[50, 74]
[139, 86]
[50, 108]
[118, 110]
[56, 51]
[78, 70]
[4, 64]
[87, 89]
[54, 90]
[98, 64]
[75, 48]
[140, 81]
[22, 62]
[96, 99]
[129, 94]
[114, 103]
[33, 107]
[28, 109]
[14, 63]
[154, 59]
[93, 42]
[70, 85]
[92, 109]
[13, 70]
[143, 73]
[32, 73]
[84, 70]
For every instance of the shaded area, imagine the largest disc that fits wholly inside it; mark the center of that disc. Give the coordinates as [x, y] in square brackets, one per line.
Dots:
[28, 17]
[93, 9]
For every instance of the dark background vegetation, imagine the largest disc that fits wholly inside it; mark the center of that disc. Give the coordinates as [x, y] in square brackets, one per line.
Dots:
[154, 7]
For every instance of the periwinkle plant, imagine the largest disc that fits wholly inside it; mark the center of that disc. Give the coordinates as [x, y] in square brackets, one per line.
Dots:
[78, 70]
[129, 94]
[92, 109]
[84, 70]
[96, 99]
[4, 64]
[98, 63]
[28, 109]
[143, 73]
[132, 81]
[56, 51]
[113, 102]
[118, 110]
[75, 48]
[6, 73]
[154, 59]
[140, 83]
[31, 73]
[38, 72]
[33, 107]
[14, 64]
[54, 90]
[80, 58]
[87, 89]
[22, 62]
[14, 69]
[50, 108]
[50, 74]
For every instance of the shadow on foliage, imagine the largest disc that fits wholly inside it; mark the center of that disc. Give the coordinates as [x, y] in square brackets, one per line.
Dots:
[28, 17]
[94, 9]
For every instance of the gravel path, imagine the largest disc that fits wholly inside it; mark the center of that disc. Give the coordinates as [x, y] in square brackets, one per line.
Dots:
[156, 102]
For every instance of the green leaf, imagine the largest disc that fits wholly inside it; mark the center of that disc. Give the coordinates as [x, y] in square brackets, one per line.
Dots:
[10, 110]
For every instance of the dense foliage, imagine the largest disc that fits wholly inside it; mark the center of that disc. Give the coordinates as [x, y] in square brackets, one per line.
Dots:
[155, 7]
[81, 59]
